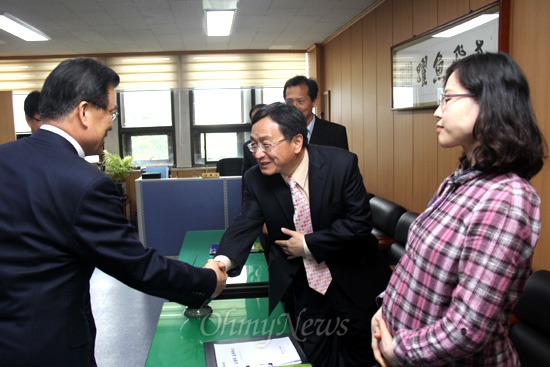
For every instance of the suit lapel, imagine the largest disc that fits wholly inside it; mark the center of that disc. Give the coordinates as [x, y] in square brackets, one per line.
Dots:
[317, 133]
[317, 173]
[281, 192]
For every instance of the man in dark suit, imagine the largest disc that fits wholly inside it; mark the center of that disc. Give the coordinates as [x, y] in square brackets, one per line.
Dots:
[302, 92]
[60, 217]
[334, 327]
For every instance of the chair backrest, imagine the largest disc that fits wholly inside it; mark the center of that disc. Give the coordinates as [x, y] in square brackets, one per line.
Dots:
[385, 214]
[230, 166]
[531, 336]
[397, 249]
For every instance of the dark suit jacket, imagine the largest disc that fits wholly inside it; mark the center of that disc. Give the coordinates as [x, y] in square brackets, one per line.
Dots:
[329, 133]
[60, 217]
[341, 220]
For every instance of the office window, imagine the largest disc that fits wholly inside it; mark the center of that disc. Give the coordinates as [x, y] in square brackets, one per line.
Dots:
[21, 127]
[149, 149]
[219, 120]
[219, 106]
[271, 95]
[146, 129]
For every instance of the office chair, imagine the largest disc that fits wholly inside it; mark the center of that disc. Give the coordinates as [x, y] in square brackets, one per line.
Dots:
[397, 249]
[229, 166]
[531, 336]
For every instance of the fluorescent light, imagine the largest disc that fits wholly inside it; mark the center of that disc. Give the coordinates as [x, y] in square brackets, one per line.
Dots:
[20, 29]
[219, 22]
[466, 26]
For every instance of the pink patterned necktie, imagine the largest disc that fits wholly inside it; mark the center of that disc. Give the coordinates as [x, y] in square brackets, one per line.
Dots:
[318, 275]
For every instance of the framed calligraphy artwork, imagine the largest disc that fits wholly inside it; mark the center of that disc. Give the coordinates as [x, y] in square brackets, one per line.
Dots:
[419, 64]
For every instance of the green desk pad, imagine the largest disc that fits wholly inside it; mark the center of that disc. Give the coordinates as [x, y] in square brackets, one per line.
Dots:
[179, 341]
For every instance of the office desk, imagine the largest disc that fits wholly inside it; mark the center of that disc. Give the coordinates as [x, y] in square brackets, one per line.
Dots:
[252, 282]
[179, 341]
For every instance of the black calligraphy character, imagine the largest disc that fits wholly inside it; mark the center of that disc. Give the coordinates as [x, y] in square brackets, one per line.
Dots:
[479, 47]
[459, 51]
[421, 70]
[438, 66]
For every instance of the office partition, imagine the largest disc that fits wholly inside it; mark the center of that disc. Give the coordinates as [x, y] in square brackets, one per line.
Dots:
[168, 208]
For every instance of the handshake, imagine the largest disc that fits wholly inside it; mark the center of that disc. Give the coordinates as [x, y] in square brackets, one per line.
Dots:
[221, 274]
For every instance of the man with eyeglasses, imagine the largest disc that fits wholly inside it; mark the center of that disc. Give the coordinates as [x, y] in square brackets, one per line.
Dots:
[60, 218]
[333, 235]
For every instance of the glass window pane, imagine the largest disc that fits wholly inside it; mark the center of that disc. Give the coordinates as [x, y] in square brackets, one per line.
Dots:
[19, 114]
[146, 108]
[271, 95]
[218, 106]
[218, 146]
[149, 149]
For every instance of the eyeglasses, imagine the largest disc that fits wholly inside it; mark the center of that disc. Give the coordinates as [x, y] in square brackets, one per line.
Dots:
[264, 147]
[114, 112]
[444, 98]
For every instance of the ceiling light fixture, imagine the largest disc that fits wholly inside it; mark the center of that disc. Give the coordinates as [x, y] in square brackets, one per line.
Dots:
[466, 26]
[20, 29]
[219, 22]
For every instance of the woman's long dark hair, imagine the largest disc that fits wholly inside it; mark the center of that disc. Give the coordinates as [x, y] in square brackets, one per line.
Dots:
[506, 128]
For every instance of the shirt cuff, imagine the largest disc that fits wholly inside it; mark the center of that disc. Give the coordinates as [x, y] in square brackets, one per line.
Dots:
[306, 249]
[227, 261]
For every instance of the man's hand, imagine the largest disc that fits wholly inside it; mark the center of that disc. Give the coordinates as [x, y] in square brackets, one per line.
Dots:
[221, 275]
[294, 246]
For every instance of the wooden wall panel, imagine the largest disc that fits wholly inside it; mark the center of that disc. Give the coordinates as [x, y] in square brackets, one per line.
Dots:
[383, 86]
[425, 147]
[7, 126]
[315, 67]
[345, 72]
[330, 52]
[370, 97]
[448, 10]
[528, 46]
[402, 20]
[336, 90]
[355, 133]
[424, 16]
[478, 4]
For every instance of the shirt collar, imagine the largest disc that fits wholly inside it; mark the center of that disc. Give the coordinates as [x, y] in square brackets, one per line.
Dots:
[70, 139]
[310, 128]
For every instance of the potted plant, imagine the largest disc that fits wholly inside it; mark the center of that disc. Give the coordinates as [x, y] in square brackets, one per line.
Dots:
[117, 168]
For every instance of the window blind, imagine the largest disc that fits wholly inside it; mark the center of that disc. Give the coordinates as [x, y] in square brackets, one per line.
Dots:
[186, 71]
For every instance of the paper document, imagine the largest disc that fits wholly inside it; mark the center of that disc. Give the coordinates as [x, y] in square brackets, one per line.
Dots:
[272, 352]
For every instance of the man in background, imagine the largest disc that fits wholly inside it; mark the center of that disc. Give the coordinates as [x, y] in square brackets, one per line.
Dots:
[302, 92]
[61, 217]
[31, 110]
